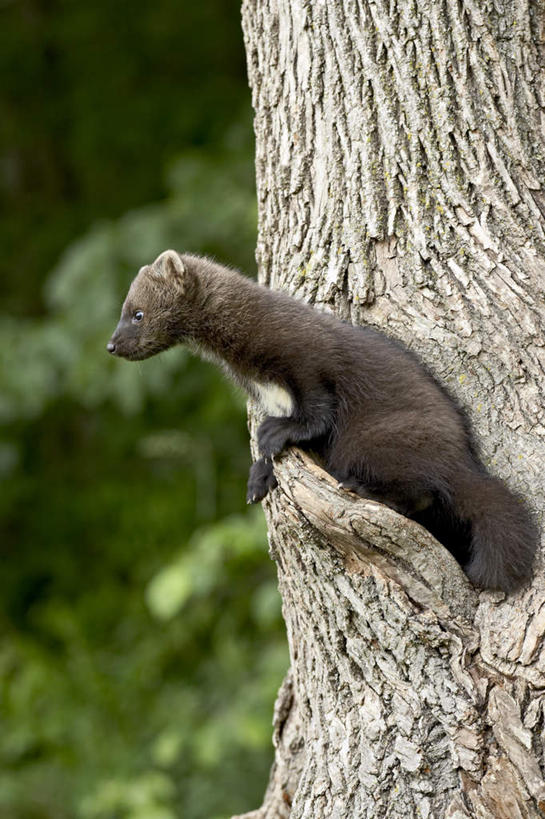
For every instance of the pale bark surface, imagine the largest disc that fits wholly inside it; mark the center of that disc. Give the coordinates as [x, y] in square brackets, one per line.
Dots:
[401, 168]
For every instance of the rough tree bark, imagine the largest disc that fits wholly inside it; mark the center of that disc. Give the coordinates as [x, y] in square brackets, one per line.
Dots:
[400, 169]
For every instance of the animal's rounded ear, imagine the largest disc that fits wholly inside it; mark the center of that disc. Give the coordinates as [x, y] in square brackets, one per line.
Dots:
[170, 267]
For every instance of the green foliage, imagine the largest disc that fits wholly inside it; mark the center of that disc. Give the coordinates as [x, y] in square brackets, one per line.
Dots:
[98, 99]
[139, 722]
[142, 642]
[195, 573]
[85, 290]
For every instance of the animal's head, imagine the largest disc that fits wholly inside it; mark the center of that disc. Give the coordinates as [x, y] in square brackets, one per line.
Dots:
[156, 313]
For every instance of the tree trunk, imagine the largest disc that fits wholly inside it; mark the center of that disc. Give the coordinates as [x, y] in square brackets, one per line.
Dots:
[400, 168]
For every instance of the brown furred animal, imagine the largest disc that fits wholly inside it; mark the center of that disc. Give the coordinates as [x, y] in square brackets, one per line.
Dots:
[383, 426]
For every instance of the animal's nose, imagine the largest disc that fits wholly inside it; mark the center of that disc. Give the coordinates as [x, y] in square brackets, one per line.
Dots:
[110, 347]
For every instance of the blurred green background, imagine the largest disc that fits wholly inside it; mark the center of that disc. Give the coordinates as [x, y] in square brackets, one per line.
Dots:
[141, 639]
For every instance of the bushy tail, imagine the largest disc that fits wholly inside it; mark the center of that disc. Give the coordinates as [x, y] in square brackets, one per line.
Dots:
[504, 536]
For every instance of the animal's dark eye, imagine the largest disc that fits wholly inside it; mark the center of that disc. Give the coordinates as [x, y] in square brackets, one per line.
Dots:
[138, 316]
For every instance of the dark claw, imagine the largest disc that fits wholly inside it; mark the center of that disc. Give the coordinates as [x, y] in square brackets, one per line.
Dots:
[260, 480]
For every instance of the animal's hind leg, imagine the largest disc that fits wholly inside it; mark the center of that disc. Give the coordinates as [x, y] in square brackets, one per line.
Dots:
[403, 499]
[393, 460]
[352, 484]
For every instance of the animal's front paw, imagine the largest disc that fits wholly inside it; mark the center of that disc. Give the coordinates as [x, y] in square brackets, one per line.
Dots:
[260, 480]
[272, 436]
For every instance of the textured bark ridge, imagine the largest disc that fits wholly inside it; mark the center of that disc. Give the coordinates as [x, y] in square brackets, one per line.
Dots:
[400, 167]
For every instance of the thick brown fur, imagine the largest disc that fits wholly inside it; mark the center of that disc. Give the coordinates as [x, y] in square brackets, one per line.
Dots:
[381, 423]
